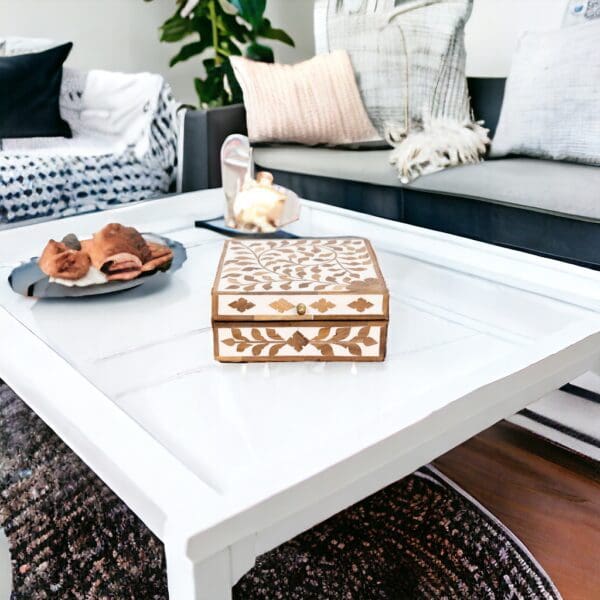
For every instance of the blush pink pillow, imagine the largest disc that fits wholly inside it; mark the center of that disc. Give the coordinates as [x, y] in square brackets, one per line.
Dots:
[313, 102]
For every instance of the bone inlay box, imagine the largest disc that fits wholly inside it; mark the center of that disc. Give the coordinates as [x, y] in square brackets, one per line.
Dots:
[299, 299]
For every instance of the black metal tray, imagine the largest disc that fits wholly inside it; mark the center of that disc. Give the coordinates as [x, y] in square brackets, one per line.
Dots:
[29, 280]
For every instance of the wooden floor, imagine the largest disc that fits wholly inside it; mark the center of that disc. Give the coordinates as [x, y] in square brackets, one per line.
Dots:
[548, 497]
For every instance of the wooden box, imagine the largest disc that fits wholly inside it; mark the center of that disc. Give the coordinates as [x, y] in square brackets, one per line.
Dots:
[299, 299]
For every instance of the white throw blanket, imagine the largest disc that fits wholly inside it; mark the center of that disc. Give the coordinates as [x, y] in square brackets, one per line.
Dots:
[124, 148]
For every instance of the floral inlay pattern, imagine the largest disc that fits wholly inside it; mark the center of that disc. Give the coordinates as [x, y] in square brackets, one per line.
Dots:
[360, 304]
[311, 265]
[269, 343]
[242, 305]
[322, 305]
[281, 305]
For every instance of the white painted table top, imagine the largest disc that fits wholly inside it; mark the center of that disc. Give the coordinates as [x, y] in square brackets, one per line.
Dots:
[214, 456]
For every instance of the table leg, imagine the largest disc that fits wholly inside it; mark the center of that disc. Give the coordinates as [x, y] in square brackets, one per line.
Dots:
[207, 580]
[5, 568]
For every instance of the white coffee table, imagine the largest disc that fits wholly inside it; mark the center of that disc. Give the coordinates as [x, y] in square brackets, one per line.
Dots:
[224, 462]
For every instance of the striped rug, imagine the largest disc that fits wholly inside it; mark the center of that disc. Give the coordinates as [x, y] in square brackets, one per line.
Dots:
[569, 417]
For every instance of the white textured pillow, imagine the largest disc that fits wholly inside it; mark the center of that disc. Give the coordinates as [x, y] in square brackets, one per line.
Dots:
[409, 57]
[551, 104]
[314, 102]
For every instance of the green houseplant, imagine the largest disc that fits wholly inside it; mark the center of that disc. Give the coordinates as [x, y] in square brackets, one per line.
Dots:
[221, 28]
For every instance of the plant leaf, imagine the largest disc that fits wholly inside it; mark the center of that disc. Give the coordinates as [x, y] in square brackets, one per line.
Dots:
[189, 50]
[176, 28]
[227, 7]
[259, 52]
[251, 10]
[210, 90]
[232, 27]
[272, 33]
[237, 96]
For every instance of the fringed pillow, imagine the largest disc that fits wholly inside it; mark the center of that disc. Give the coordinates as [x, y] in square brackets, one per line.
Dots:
[409, 58]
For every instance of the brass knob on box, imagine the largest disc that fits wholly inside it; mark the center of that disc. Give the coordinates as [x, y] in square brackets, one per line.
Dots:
[301, 309]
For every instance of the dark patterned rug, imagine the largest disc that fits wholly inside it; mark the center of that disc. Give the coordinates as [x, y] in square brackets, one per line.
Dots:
[421, 537]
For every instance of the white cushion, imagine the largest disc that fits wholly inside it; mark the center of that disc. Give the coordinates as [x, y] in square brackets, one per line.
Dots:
[552, 96]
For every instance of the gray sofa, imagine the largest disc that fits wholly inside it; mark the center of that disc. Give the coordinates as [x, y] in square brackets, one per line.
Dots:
[544, 207]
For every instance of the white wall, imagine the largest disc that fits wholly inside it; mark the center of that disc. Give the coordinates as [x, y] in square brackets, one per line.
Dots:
[122, 35]
[492, 32]
[495, 26]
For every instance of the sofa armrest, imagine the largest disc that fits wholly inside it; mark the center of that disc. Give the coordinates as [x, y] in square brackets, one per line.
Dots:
[204, 132]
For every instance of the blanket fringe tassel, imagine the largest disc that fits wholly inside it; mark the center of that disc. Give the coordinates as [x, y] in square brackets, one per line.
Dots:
[434, 145]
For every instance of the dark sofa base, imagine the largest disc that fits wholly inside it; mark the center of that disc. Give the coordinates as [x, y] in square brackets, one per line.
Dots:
[549, 235]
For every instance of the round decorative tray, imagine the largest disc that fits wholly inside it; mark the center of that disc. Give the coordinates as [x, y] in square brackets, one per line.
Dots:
[29, 280]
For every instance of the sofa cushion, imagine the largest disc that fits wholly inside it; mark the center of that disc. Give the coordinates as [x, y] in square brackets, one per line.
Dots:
[313, 102]
[369, 166]
[561, 188]
[379, 36]
[550, 107]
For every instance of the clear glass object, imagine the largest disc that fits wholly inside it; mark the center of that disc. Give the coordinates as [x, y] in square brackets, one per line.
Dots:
[236, 166]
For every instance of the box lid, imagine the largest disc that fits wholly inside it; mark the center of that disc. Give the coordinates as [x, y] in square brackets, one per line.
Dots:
[299, 279]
